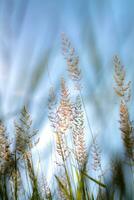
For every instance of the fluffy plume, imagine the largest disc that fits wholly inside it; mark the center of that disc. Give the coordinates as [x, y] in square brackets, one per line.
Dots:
[6, 159]
[78, 133]
[24, 132]
[72, 60]
[61, 146]
[126, 130]
[64, 110]
[4, 144]
[96, 152]
[122, 88]
[60, 119]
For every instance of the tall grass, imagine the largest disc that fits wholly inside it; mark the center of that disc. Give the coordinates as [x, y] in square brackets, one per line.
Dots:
[68, 118]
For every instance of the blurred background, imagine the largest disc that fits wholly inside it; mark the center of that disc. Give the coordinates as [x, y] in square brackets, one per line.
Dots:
[31, 60]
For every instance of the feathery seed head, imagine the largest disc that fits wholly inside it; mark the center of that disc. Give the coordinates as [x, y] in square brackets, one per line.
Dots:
[6, 160]
[126, 130]
[96, 152]
[24, 133]
[72, 61]
[122, 89]
[78, 133]
[61, 146]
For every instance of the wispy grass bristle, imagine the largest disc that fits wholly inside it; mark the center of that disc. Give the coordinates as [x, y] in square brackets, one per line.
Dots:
[24, 132]
[96, 153]
[78, 132]
[72, 60]
[126, 130]
[122, 88]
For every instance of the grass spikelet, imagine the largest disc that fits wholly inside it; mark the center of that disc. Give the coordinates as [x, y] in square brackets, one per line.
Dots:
[60, 119]
[61, 146]
[96, 152]
[64, 110]
[6, 159]
[56, 116]
[4, 144]
[72, 60]
[78, 133]
[24, 132]
[122, 88]
[126, 130]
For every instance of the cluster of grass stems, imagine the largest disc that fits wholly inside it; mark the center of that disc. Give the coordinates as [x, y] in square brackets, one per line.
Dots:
[71, 128]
